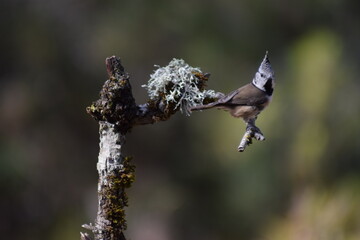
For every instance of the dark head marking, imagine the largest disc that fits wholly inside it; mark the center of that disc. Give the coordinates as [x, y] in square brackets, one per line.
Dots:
[269, 87]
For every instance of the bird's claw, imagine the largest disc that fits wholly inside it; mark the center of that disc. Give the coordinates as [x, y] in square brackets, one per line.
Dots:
[255, 132]
[251, 132]
[259, 136]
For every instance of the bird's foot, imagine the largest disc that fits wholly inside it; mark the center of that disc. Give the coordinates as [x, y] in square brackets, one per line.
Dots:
[255, 132]
[251, 132]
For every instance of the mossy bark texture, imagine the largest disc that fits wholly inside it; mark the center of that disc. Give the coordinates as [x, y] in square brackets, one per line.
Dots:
[116, 113]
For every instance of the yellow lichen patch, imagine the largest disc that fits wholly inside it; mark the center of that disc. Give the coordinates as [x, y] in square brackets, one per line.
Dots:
[114, 195]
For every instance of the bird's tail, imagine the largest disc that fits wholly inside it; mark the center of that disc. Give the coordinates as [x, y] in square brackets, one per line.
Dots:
[203, 107]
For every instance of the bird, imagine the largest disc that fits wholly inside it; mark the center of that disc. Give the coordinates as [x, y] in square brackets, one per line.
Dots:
[249, 100]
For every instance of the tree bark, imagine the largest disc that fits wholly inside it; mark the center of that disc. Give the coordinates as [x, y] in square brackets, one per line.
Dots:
[117, 112]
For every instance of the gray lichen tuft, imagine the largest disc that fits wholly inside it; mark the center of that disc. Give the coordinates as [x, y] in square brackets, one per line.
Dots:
[178, 83]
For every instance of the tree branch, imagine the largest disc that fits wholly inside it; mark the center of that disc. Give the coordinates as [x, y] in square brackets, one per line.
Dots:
[246, 140]
[117, 112]
[251, 132]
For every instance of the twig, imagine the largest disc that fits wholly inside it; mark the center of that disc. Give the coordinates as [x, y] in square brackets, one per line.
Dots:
[251, 132]
[247, 138]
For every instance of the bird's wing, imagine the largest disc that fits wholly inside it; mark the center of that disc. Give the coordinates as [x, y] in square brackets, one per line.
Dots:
[228, 97]
[247, 95]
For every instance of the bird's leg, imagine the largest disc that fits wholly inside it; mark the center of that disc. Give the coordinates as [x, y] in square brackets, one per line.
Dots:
[251, 132]
[255, 131]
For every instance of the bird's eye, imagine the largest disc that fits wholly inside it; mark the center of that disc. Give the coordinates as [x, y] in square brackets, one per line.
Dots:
[262, 75]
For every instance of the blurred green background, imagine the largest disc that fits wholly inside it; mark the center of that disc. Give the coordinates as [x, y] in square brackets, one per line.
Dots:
[303, 182]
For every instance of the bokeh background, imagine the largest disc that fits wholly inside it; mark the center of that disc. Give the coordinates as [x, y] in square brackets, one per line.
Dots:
[303, 182]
